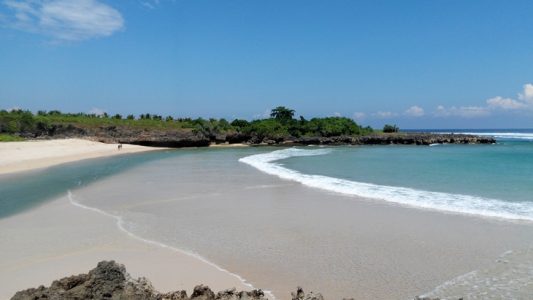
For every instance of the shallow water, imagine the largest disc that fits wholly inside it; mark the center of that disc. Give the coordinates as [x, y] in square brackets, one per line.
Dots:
[25, 190]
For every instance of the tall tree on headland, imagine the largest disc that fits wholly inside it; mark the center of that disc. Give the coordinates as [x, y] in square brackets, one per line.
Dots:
[282, 114]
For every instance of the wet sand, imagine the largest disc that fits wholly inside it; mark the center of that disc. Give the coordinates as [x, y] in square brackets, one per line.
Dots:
[59, 239]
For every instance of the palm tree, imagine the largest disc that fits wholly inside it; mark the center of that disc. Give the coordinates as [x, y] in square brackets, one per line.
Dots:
[282, 114]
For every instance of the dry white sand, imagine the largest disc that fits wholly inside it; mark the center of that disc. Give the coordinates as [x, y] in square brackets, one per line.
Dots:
[59, 239]
[228, 145]
[29, 155]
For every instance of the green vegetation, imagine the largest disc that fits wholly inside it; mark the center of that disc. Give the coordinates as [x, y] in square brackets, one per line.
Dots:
[281, 124]
[390, 128]
[282, 114]
[10, 138]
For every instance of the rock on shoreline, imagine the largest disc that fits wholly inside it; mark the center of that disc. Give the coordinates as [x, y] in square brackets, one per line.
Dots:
[109, 280]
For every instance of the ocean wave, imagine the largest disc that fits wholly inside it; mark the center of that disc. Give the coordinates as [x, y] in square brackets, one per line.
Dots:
[508, 277]
[456, 203]
[527, 136]
[120, 225]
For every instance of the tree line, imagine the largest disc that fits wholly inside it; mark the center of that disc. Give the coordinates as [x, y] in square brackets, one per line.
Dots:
[281, 123]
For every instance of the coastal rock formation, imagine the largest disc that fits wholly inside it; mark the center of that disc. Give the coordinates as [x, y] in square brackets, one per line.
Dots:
[300, 295]
[396, 139]
[109, 280]
[191, 138]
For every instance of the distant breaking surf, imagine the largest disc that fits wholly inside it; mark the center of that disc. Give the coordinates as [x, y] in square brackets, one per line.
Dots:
[525, 136]
[456, 203]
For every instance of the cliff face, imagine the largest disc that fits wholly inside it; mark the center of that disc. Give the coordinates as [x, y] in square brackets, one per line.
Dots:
[110, 280]
[189, 138]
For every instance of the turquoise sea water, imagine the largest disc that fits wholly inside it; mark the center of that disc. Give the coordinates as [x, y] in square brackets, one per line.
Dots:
[489, 180]
[502, 171]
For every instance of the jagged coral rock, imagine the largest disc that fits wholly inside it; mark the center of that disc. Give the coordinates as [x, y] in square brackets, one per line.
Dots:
[109, 280]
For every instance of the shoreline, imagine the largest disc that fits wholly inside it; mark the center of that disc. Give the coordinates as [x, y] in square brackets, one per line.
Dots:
[37, 154]
[68, 247]
[227, 145]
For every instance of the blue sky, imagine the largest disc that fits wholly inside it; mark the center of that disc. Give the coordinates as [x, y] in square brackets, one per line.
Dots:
[419, 64]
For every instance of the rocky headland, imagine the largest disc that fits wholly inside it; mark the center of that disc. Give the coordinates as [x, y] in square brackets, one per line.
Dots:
[109, 280]
[191, 138]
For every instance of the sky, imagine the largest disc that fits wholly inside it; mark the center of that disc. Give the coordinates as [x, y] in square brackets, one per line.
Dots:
[417, 64]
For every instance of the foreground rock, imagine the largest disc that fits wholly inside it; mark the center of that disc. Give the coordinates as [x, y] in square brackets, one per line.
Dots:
[110, 280]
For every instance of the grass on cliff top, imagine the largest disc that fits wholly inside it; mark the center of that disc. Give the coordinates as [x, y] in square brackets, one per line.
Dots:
[281, 124]
[10, 138]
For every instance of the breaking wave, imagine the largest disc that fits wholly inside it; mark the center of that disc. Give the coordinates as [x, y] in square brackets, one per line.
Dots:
[456, 203]
[523, 136]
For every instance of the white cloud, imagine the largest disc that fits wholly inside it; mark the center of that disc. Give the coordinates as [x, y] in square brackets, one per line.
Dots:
[65, 20]
[524, 102]
[151, 4]
[462, 111]
[97, 111]
[264, 115]
[337, 114]
[527, 94]
[495, 104]
[385, 114]
[414, 111]
[505, 103]
[359, 116]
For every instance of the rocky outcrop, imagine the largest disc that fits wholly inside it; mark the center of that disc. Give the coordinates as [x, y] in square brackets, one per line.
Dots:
[394, 139]
[154, 138]
[300, 295]
[186, 137]
[109, 280]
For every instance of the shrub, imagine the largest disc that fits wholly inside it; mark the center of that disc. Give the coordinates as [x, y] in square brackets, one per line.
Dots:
[390, 128]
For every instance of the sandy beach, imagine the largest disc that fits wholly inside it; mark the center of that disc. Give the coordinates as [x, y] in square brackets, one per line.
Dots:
[30, 155]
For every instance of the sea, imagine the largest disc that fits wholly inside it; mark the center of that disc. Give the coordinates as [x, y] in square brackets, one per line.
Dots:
[491, 181]
[259, 211]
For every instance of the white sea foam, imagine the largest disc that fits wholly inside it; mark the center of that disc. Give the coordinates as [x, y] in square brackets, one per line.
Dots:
[509, 277]
[456, 203]
[120, 224]
[528, 136]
